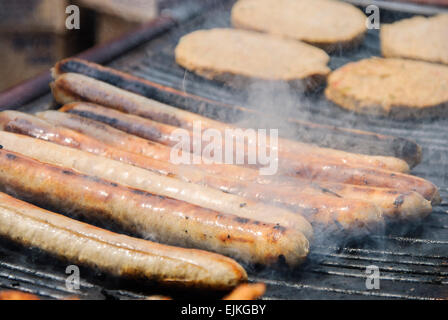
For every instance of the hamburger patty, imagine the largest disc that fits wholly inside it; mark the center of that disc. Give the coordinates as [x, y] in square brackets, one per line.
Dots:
[237, 56]
[392, 87]
[417, 38]
[327, 24]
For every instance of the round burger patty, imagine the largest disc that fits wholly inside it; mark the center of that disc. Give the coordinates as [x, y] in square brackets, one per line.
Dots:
[232, 55]
[327, 24]
[417, 38]
[391, 87]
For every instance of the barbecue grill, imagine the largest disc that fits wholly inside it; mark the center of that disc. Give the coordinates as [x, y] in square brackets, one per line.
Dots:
[412, 260]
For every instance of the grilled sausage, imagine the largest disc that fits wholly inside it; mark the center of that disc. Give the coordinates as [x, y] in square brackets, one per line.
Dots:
[369, 177]
[71, 87]
[247, 292]
[115, 253]
[138, 126]
[153, 217]
[393, 203]
[309, 172]
[316, 205]
[17, 295]
[145, 180]
[106, 134]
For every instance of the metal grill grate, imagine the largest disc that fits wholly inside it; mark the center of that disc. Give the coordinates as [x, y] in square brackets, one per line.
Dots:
[413, 262]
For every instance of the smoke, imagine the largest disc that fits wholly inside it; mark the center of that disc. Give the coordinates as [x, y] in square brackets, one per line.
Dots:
[277, 98]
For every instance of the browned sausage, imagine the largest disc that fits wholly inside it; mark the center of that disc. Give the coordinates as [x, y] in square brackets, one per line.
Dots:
[117, 254]
[17, 295]
[247, 292]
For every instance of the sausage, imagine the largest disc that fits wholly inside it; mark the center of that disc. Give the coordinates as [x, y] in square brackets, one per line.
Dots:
[247, 292]
[316, 205]
[70, 87]
[138, 126]
[317, 170]
[115, 253]
[145, 180]
[153, 217]
[368, 177]
[393, 203]
[17, 295]
[106, 134]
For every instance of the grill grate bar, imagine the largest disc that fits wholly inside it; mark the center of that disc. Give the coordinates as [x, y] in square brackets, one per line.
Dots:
[384, 268]
[442, 213]
[300, 286]
[53, 286]
[382, 277]
[33, 272]
[35, 281]
[412, 240]
[384, 252]
[32, 290]
[131, 295]
[444, 226]
[383, 260]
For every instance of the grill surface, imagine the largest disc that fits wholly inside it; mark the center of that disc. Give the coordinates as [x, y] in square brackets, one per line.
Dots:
[413, 260]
